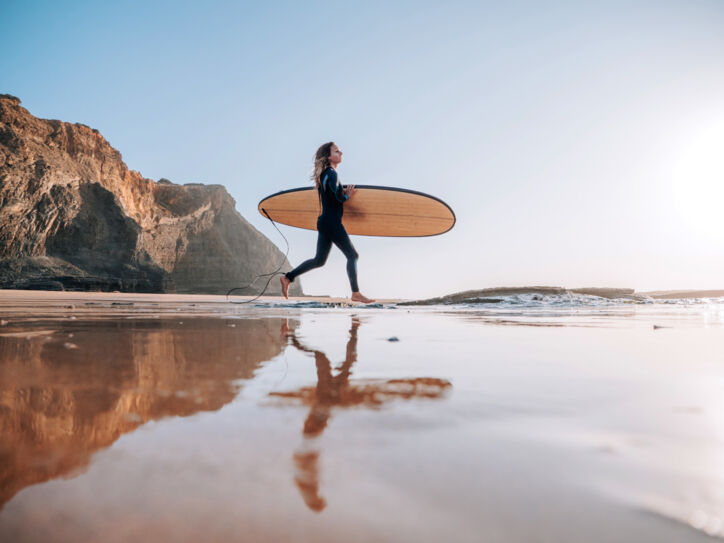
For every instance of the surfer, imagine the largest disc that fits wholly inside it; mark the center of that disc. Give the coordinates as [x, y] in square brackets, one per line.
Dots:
[330, 229]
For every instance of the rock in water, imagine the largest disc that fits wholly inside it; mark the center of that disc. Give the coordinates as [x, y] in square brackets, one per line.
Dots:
[74, 217]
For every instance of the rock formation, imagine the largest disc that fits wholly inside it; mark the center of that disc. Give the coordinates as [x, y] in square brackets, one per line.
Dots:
[74, 217]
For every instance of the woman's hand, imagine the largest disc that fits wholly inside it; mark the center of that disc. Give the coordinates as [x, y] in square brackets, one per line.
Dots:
[349, 190]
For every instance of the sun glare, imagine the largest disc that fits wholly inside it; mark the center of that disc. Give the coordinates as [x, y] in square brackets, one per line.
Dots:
[699, 177]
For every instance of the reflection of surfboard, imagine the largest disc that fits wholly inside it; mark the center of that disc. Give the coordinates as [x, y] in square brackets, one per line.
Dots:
[372, 211]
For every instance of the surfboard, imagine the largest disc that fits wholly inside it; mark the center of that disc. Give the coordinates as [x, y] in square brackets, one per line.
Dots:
[372, 211]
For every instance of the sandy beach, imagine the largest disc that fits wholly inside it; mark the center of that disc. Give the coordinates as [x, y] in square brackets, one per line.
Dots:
[187, 418]
[31, 302]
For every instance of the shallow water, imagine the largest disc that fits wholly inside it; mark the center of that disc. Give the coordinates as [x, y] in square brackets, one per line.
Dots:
[469, 423]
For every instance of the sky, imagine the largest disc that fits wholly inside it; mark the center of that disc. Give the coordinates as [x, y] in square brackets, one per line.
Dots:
[579, 143]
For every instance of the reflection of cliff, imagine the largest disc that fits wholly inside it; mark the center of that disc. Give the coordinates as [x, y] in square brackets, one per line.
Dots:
[66, 394]
[334, 391]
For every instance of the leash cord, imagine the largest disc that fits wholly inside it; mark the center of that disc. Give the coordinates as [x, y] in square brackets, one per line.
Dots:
[269, 275]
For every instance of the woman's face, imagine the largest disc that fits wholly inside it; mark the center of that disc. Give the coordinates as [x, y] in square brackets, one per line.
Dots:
[335, 155]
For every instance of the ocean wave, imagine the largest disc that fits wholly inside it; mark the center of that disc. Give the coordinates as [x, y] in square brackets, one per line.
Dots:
[525, 301]
[524, 297]
[558, 297]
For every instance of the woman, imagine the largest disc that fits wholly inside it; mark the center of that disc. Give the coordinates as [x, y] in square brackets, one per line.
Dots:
[330, 230]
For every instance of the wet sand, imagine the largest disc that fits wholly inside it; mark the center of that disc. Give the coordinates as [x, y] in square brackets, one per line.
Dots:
[186, 418]
[29, 303]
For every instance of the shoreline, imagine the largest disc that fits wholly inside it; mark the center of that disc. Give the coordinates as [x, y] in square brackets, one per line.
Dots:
[28, 299]
[125, 304]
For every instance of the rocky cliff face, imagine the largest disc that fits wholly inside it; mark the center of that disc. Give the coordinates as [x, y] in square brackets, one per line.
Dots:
[73, 216]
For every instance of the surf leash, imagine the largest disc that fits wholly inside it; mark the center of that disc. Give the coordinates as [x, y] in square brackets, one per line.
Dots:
[269, 275]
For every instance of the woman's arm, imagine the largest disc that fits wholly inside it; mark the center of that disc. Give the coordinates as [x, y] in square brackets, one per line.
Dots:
[333, 187]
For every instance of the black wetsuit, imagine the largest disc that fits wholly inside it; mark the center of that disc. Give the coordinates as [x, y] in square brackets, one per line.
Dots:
[331, 230]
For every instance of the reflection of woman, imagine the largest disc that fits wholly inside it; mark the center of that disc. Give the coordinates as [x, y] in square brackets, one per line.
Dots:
[327, 394]
[336, 391]
[330, 389]
[330, 229]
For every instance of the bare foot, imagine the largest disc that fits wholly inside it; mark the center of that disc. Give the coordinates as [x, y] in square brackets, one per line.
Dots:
[358, 297]
[285, 286]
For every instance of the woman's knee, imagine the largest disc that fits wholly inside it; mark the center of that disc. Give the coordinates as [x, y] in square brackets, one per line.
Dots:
[320, 260]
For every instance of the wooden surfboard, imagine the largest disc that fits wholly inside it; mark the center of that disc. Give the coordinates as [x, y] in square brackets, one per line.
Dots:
[372, 211]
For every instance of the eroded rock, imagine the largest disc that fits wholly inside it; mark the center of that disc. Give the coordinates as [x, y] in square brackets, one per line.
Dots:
[74, 217]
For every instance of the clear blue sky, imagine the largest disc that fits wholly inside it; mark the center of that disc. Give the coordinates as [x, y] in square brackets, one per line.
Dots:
[579, 143]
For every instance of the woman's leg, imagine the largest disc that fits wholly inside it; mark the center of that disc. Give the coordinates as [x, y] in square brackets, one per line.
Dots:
[324, 245]
[341, 240]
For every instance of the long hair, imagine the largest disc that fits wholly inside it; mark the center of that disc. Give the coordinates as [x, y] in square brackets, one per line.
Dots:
[321, 162]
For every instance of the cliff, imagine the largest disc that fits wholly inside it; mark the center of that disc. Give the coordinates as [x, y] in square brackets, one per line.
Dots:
[74, 217]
